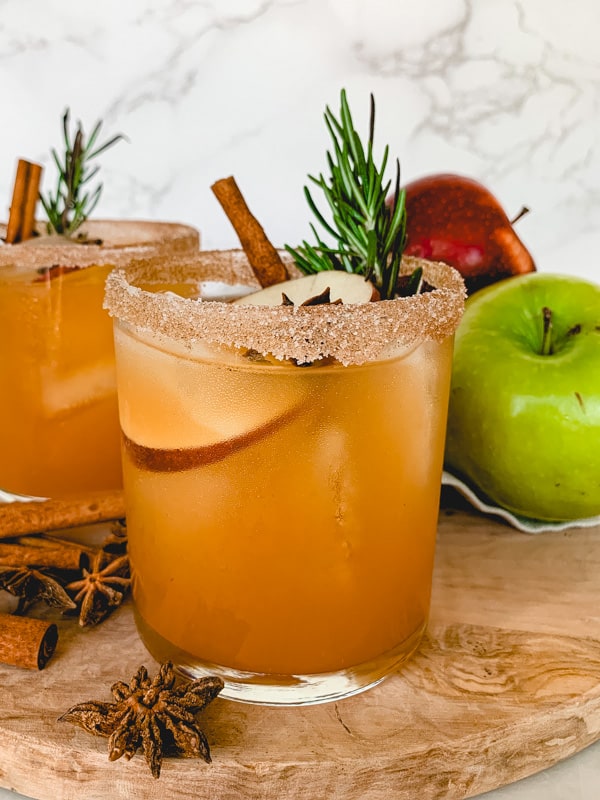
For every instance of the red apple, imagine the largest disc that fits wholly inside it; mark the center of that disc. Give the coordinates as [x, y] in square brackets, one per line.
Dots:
[457, 220]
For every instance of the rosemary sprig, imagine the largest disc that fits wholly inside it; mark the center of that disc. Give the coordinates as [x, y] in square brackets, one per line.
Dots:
[369, 233]
[70, 205]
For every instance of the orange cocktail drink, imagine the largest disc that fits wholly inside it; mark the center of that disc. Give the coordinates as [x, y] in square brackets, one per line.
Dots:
[58, 407]
[282, 494]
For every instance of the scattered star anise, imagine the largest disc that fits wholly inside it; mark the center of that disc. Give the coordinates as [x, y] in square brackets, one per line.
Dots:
[31, 585]
[102, 587]
[153, 715]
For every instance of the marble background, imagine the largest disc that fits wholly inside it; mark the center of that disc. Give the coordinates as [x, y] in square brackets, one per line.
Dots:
[505, 91]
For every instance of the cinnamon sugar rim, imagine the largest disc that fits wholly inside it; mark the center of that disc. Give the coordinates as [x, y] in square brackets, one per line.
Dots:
[121, 241]
[350, 333]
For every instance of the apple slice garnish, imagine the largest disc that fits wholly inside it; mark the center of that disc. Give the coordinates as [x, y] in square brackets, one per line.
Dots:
[344, 287]
[154, 459]
[194, 421]
[200, 430]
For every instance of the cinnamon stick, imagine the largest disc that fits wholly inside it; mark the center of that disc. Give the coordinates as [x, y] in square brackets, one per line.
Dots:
[262, 256]
[50, 541]
[21, 220]
[50, 515]
[59, 557]
[26, 642]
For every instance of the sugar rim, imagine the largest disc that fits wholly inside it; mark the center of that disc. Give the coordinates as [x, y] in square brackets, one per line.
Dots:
[123, 240]
[351, 333]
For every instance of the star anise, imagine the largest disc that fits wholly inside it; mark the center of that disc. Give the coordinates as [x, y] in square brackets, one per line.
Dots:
[31, 585]
[102, 587]
[153, 715]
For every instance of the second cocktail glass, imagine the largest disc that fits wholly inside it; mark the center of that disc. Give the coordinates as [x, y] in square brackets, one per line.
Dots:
[58, 406]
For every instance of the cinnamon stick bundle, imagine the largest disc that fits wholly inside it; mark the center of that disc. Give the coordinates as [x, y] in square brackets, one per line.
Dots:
[21, 220]
[262, 256]
[26, 642]
[50, 515]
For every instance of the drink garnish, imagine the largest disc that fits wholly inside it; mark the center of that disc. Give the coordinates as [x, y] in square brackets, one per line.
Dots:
[309, 290]
[262, 256]
[72, 203]
[181, 459]
[21, 220]
[369, 233]
[323, 298]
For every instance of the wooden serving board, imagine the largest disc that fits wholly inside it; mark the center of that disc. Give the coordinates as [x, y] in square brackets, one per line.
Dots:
[506, 684]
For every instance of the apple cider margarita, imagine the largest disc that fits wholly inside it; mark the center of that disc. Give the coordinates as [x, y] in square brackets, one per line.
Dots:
[58, 404]
[282, 471]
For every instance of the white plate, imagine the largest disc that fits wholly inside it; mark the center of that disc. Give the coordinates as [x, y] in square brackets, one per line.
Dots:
[525, 524]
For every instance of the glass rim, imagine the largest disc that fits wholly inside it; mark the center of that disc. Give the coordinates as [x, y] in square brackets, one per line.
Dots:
[349, 333]
[124, 240]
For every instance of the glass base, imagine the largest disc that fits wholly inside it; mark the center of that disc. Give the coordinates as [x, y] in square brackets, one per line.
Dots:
[282, 690]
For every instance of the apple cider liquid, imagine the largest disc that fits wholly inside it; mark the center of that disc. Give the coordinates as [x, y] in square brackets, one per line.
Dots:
[59, 422]
[282, 519]
[58, 407]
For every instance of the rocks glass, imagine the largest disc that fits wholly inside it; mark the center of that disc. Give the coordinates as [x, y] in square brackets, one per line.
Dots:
[282, 473]
[58, 408]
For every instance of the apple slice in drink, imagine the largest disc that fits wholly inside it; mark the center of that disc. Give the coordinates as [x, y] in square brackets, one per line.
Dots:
[179, 413]
[221, 445]
[204, 410]
[344, 287]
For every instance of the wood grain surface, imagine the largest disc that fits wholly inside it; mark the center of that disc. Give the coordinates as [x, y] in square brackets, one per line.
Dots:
[506, 683]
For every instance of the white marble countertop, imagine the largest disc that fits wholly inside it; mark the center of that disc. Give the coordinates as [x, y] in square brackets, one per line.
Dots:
[576, 778]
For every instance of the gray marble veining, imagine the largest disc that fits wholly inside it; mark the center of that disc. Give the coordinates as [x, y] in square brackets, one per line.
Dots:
[505, 91]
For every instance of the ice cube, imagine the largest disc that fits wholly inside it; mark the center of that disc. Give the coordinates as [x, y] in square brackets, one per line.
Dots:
[65, 392]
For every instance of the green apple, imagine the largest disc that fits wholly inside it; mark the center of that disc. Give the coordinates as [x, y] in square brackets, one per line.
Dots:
[524, 417]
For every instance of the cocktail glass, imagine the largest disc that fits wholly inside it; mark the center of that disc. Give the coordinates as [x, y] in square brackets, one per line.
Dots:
[58, 409]
[282, 472]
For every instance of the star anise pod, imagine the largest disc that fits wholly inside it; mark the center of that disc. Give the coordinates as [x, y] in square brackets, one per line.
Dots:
[153, 715]
[102, 588]
[31, 585]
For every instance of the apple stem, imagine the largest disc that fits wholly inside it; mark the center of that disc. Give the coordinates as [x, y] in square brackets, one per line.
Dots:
[524, 210]
[547, 348]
